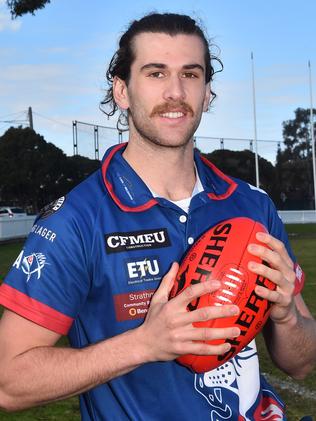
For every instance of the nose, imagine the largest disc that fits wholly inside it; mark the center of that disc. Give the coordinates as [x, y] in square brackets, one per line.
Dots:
[174, 89]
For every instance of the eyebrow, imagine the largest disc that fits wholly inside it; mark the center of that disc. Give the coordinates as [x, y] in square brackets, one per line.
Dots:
[164, 66]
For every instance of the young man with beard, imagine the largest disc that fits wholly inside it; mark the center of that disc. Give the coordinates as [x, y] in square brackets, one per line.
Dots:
[105, 278]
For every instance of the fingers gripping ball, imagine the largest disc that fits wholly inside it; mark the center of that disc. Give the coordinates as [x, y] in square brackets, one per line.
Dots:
[221, 253]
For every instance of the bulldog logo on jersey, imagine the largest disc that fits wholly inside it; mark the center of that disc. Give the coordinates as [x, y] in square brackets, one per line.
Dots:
[235, 389]
[31, 264]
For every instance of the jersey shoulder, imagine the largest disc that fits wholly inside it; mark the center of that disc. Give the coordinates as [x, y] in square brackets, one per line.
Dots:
[255, 196]
[82, 202]
[246, 188]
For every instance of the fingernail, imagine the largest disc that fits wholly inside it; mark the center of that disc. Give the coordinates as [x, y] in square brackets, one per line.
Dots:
[259, 289]
[236, 332]
[234, 310]
[252, 265]
[215, 283]
[260, 235]
[227, 347]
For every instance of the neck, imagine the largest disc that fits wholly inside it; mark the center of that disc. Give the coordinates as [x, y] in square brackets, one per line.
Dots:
[169, 172]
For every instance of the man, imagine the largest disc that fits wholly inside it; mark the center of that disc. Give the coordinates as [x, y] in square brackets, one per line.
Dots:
[98, 264]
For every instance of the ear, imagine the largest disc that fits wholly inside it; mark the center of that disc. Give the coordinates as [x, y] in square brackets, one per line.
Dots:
[207, 97]
[120, 93]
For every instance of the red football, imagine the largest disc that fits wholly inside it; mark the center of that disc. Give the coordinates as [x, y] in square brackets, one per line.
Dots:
[221, 253]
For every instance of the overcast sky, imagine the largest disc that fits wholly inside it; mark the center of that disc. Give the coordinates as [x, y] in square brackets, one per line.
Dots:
[56, 60]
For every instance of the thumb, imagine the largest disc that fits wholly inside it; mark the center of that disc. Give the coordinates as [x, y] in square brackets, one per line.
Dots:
[162, 293]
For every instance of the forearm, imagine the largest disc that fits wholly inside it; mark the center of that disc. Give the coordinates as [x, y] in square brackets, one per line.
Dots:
[46, 374]
[292, 345]
[290, 334]
[32, 374]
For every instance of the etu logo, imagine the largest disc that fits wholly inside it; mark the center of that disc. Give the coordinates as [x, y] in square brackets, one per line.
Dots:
[143, 270]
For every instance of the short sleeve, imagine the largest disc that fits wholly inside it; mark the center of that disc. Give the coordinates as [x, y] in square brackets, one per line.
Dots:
[277, 229]
[49, 280]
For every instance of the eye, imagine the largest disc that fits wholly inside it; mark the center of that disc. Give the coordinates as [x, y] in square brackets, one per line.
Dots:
[189, 75]
[156, 75]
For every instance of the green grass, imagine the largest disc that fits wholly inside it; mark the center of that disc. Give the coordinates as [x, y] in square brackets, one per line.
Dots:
[8, 254]
[67, 410]
[303, 241]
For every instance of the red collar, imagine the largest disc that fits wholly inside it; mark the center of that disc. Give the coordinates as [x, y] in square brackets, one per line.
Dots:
[228, 186]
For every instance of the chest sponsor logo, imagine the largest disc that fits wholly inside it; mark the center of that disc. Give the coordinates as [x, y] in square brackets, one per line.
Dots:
[143, 270]
[136, 240]
[132, 306]
[32, 264]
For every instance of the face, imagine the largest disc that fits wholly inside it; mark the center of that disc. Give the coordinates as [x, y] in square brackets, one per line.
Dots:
[166, 93]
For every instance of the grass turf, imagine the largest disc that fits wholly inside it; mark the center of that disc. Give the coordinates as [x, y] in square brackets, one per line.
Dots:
[68, 409]
[299, 396]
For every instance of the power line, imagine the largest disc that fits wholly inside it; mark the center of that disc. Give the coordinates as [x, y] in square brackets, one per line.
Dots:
[16, 121]
[8, 124]
[9, 115]
[51, 119]
[12, 121]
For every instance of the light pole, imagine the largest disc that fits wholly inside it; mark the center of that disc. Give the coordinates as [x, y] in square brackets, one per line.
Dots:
[255, 121]
[312, 131]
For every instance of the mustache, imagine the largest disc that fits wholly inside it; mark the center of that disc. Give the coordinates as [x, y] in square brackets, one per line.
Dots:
[170, 107]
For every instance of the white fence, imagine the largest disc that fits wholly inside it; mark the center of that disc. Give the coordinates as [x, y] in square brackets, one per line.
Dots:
[16, 227]
[298, 217]
[11, 228]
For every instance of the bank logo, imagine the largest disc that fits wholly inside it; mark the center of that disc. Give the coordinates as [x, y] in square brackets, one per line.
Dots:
[143, 270]
[32, 264]
[135, 240]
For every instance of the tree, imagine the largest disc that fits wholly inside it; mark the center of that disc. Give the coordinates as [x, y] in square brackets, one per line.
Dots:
[21, 7]
[241, 164]
[34, 172]
[294, 163]
[28, 167]
[78, 168]
[297, 135]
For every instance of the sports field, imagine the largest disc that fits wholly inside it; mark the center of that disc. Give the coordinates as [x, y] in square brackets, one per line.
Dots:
[300, 396]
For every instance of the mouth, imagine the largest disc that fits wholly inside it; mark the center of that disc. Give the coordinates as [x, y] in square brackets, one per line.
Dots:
[173, 114]
[172, 111]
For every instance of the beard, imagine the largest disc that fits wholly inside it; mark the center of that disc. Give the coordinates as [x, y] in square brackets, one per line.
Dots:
[145, 127]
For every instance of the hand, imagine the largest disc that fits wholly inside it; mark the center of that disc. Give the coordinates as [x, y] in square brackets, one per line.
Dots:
[167, 331]
[280, 272]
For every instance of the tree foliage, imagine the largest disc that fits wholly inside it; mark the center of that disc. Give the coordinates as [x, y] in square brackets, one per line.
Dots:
[294, 163]
[21, 7]
[34, 172]
[297, 136]
[241, 164]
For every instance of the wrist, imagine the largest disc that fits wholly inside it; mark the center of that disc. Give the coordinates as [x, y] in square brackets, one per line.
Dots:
[125, 352]
[290, 320]
[142, 345]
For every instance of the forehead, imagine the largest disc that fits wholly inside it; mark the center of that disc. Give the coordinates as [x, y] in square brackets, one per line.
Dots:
[177, 50]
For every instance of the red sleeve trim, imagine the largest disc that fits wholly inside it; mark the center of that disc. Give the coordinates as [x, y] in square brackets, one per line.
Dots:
[299, 279]
[33, 310]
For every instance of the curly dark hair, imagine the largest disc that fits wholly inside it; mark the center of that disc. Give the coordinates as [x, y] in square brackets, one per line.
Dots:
[169, 23]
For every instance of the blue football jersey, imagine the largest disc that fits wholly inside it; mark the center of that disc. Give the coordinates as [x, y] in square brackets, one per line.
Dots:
[91, 264]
